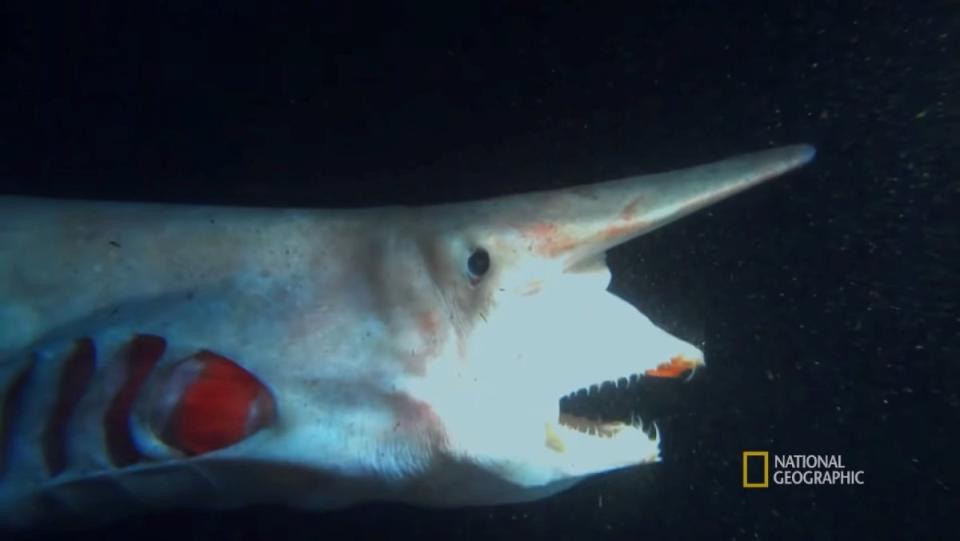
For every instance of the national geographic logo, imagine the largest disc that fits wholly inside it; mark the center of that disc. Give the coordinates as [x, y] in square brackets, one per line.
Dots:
[796, 470]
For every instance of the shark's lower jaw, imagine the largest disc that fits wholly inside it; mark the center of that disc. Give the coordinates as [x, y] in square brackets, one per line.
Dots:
[604, 426]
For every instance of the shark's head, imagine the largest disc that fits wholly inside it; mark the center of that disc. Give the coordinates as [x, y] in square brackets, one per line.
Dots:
[523, 282]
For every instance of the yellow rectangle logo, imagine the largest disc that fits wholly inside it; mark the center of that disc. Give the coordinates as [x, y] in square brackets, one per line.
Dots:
[765, 455]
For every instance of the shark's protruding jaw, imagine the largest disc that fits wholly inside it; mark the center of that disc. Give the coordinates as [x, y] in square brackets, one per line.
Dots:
[525, 282]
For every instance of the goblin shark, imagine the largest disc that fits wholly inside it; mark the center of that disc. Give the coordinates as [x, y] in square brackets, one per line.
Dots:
[156, 356]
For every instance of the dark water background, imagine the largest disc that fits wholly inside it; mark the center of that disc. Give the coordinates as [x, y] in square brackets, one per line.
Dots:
[826, 301]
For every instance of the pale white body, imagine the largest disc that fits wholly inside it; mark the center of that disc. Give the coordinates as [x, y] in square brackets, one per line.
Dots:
[396, 374]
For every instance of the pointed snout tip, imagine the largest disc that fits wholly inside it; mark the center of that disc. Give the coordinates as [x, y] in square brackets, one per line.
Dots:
[786, 158]
[805, 153]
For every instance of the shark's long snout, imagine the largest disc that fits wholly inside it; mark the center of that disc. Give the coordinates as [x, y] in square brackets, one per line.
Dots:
[578, 223]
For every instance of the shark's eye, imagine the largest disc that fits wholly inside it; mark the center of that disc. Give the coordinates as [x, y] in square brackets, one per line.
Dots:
[478, 264]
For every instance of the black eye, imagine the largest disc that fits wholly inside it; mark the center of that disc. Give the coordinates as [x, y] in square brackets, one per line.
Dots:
[479, 263]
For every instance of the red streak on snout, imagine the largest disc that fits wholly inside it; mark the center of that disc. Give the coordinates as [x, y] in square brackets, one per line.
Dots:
[631, 208]
[549, 239]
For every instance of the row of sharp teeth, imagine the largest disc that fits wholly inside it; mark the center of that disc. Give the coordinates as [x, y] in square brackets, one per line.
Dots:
[600, 428]
[621, 383]
[606, 429]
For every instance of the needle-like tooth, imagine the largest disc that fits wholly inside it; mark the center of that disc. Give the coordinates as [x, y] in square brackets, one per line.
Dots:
[651, 431]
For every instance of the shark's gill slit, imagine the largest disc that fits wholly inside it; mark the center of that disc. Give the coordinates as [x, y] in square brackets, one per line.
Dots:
[143, 353]
[10, 413]
[75, 377]
[604, 409]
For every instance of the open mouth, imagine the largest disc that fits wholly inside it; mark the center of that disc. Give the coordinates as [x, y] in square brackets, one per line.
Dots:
[639, 401]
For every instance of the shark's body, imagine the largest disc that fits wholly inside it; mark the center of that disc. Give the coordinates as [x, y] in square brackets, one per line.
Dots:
[155, 356]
